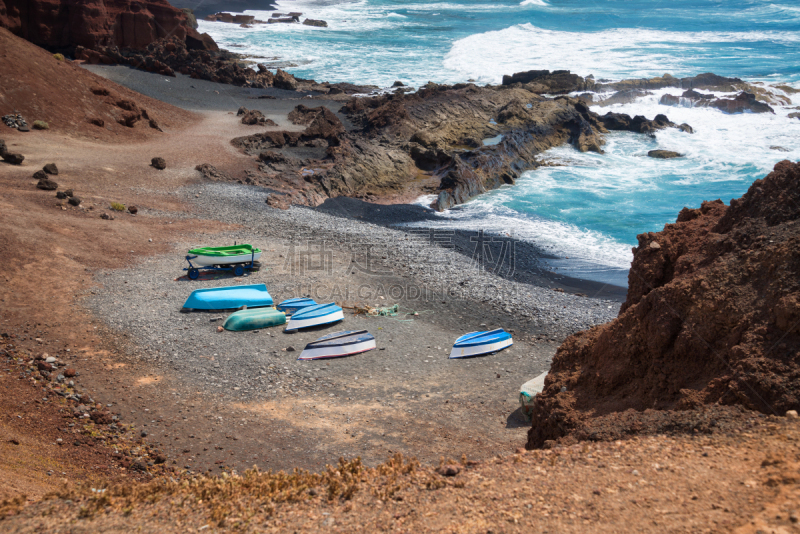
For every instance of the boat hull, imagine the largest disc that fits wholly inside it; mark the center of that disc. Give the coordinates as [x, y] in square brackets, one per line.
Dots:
[338, 345]
[254, 319]
[477, 343]
[292, 306]
[229, 298]
[205, 261]
[315, 316]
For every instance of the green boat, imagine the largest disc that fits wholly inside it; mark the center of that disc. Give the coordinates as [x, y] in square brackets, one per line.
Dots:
[254, 319]
[224, 255]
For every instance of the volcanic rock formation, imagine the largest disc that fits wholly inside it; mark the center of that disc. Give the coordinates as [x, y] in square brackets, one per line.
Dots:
[430, 142]
[65, 24]
[712, 319]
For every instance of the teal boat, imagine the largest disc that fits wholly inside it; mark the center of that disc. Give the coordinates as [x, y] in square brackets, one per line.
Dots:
[229, 298]
[254, 319]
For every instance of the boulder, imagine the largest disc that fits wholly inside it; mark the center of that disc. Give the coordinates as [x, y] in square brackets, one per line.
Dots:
[627, 96]
[3, 148]
[133, 210]
[47, 185]
[50, 168]
[313, 22]
[544, 81]
[61, 195]
[284, 80]
[13, 158]
[74, 201]
[663, 154]
[40, 175]
[670, 100]
[158, 163]
[69, 192]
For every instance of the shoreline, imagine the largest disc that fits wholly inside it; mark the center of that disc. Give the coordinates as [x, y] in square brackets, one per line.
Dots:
[204, 96]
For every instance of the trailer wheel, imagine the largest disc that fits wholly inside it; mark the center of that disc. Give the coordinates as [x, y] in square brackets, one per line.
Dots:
[194, 274]
[238, 270]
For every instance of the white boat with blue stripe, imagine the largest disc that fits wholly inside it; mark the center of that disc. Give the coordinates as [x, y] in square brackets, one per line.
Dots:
[315, 316]
[477, 343]
[339, 344]
[292, 306]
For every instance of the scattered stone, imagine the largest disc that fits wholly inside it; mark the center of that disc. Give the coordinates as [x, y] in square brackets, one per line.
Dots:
[69, 192]
[143, 434]
[47, 185]
[398, 83]
[69, 372]
[40, 175]
[97, 122]
[663, 154]
[133, 210]
[290, 349]
[13, 158]
[50, 359]
[107, 216]
[74, 201]
[101, 417]
[158, 163]
[448, 470]
[61, 195]
[138, 465]
[50, 168]
[44, 366]
[220, 329]
[791, 414]
[159, 458]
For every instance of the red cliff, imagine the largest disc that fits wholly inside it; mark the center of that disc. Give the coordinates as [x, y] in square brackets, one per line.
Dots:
[712, 320]
[93, 23]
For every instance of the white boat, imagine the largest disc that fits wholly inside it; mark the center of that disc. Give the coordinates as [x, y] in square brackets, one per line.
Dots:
[476, 343]
[315, 316]
[338, 344]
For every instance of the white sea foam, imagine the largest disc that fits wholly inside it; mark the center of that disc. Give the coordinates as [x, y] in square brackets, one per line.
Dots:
[534, 3]
[617, 53]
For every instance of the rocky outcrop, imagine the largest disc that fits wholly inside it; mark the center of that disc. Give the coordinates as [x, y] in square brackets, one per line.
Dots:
[663, 154]
[427, 142]
[742, 102]
[544, 81]
[712, 318]
[254, 117]
[65, 24]
[314, 22]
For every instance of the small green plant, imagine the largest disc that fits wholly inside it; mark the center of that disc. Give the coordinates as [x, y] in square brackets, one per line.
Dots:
[117, 206]
[40, 125]
[59, 57]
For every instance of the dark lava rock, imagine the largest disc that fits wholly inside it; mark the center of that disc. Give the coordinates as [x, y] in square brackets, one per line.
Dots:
[284, 80]
[159, 458]
[44, 366]
[13, 158]
[318, 23]
[50, 168]
[97, 122]
[69, 192]
[47, 185]
[107, 216]
[61, 194]
[69, 372]
[133, 210]
[448, 470]
[158, 163]
[40, 175]
[663, 154]
[398, 83]
[74, 201]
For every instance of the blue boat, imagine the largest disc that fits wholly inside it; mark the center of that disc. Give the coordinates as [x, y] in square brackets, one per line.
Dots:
[292, 306]
[339, 344]
[476, 343]
[229, 298]
[315, 316]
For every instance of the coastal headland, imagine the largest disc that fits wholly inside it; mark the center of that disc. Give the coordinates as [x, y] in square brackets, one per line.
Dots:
[669, 404]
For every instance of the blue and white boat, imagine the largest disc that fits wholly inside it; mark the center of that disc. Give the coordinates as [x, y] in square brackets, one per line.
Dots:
[476, 343]
[339, 344]
[315, 315]
[292, 306]
[229, 298]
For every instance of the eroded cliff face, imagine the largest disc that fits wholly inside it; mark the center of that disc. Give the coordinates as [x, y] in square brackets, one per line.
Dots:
[93, 23]
[712, 319]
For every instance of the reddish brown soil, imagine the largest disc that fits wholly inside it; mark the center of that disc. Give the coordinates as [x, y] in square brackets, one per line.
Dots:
[67, 97]
[712, 318]
[745, 482]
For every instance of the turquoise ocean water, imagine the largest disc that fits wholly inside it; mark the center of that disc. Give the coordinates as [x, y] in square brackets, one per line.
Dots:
[590, 208]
